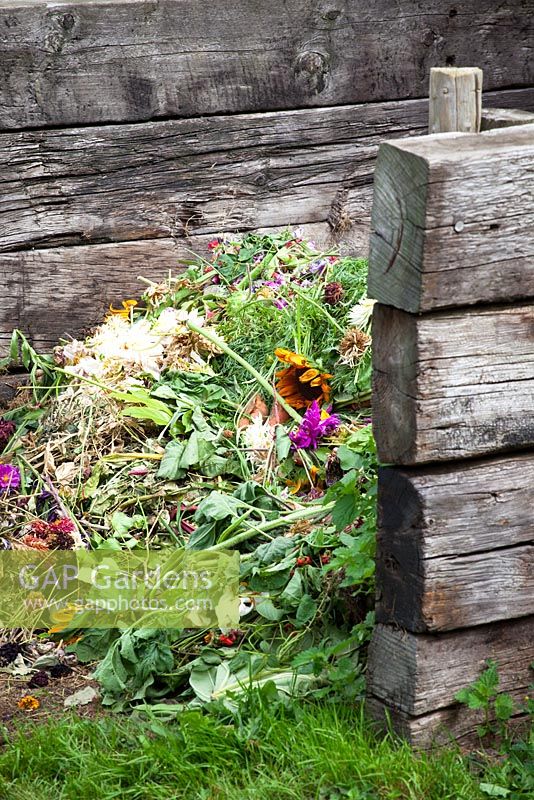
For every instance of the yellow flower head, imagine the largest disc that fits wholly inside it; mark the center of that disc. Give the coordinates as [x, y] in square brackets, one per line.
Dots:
[301, 383]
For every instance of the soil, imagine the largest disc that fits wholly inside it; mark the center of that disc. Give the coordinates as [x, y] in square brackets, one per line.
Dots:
[51, 699]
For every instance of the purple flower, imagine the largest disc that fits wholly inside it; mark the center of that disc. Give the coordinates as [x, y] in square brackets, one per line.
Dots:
[276, 280]
[318, 265]
[313, 427]
[9, 478]
[280, 303]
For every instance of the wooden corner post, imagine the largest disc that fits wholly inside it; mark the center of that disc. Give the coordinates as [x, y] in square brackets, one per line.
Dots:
[452, 269]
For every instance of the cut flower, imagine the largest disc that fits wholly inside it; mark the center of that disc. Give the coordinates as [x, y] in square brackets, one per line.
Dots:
[258, 438]
[301, 384]
[353, 346]
[7, 429]
[55, 535]
[360, 314]
[9, 478]
[314, 426]
[125, 311]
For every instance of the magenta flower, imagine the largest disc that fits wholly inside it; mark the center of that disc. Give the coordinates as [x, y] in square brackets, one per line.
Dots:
[315, 424]
[276, 281]
[9, 478]
[280, 303]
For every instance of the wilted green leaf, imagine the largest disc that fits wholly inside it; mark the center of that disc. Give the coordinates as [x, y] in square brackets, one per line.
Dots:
[306, 610]
[265, 608]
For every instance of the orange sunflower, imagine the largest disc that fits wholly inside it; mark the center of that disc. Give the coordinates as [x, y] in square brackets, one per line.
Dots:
[301, 383]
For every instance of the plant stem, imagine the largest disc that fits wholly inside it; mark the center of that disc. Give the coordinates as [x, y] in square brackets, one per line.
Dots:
[321, 308]
[214, 339]
[294, 516]
[132, 457]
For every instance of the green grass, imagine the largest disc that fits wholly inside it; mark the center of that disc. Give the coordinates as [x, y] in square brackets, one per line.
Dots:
[320, 752]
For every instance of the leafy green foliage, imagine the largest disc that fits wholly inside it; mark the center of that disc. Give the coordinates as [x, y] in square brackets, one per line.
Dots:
[133, 666]
[498, 707]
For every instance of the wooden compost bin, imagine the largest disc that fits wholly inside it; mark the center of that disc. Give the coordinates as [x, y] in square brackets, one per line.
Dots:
[132, 132]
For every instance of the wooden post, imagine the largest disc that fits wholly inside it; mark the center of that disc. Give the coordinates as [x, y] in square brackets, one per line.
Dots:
[455, 100]
[417, 675]
[443, 210]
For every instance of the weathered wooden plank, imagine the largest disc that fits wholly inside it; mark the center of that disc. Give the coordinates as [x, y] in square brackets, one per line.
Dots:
[455, 99]
[460, 508]
[452, 220]
[504, 118]
[456, 591]
[420, 673]
[452, 385]
[113, 60]
[64, 291]
[440, 728]
[113, 183]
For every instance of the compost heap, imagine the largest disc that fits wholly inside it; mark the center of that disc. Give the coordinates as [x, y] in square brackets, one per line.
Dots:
[227, 408]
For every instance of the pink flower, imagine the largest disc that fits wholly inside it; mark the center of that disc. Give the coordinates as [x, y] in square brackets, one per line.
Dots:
[315, 424]
[9, 478]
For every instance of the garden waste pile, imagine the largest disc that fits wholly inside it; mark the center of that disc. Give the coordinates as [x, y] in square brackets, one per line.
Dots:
[228, 408]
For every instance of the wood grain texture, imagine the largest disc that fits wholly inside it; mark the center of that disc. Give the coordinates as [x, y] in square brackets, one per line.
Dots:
[64, 291]
[453, 592]
[10, 384]
[71, 63]
[454, 384]
[420, 673]
[505, 118]
[452, 220]
[118, 182]
[440, 728]
[457, 508]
